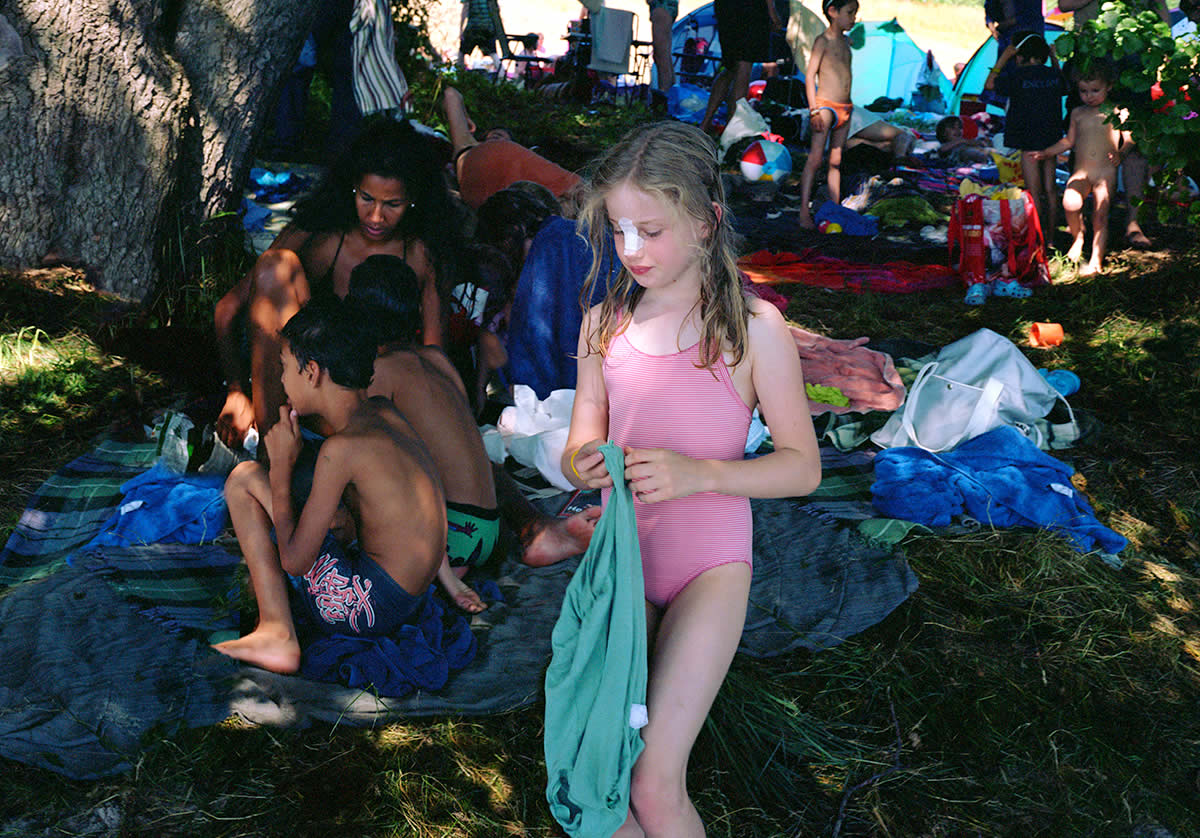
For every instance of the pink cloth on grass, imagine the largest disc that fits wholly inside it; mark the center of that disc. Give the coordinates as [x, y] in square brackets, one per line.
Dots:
[866, 377]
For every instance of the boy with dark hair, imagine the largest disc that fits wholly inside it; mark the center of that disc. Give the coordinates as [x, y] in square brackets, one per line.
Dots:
[423, 384]
[1035, 93]
[374, 461]
[827, 83]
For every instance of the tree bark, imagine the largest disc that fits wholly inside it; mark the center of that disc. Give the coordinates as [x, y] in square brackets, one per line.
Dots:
[122, 121]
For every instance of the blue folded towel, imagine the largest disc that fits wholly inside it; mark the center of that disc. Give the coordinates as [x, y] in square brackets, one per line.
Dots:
[419, 656]
[162, 506]
[999, 478]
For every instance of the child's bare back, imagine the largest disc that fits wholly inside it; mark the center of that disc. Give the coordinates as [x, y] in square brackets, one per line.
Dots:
[423, 384]
[393, 492]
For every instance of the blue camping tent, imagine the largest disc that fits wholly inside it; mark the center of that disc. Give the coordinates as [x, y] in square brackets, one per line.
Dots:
[974, 73]
[887, 62]
[700, 24]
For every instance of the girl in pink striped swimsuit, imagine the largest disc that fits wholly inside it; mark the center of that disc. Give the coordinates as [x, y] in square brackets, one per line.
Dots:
[671, 364]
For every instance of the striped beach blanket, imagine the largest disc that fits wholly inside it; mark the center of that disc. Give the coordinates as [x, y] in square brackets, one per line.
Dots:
[105, 650]
[179, 585]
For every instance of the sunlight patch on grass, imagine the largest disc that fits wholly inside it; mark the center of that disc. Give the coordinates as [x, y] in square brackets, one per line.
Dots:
[402, 736]
[30, 348]
[1123, 338]
[489, 777]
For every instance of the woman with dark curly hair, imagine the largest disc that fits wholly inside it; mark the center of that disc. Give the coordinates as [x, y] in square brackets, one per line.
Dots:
[384, 194]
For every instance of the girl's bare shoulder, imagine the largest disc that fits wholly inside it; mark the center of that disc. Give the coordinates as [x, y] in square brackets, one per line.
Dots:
[767, 328]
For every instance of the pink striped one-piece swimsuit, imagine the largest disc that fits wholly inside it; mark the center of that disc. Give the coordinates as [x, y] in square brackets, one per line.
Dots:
[666, 401]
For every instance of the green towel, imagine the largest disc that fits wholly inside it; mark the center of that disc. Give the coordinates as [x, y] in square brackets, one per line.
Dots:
[896, 212]
[596, 681]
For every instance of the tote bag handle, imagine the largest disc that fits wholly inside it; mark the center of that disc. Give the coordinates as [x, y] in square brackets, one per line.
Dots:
[982, 415]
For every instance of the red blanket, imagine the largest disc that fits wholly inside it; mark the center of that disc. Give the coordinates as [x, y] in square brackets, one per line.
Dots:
[811, 268]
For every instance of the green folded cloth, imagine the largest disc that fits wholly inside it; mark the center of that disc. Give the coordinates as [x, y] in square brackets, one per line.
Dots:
[897, 212]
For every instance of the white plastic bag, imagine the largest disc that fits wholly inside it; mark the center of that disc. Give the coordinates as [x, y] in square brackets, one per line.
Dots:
[745, 122]
[535, 432]
[975, 384]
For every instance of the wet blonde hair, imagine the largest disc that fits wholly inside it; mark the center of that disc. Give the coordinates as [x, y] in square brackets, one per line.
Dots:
[677, 164]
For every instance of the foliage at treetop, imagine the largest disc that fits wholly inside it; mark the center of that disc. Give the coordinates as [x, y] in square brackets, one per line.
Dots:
[1161, 73]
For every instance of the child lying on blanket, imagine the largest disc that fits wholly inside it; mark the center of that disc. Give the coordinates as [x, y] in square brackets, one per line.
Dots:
[375, 461]
[423, 384]
[955, 148]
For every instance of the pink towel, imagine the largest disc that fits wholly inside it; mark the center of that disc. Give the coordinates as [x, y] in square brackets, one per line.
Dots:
[866, 377]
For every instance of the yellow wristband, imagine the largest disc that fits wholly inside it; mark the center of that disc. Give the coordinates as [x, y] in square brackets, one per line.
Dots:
[572, 462]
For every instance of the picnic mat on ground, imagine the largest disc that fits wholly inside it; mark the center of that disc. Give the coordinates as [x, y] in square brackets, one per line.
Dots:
[810, 267]
[106, 653]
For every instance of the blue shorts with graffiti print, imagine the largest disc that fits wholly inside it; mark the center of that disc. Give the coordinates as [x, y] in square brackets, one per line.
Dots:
[346, 592]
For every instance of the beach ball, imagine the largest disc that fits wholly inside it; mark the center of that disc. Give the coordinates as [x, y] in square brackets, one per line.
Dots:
[755, 92]
[764, 160]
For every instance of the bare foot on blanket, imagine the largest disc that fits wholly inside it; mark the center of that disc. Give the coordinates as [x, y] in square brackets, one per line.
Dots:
[806, 222]
[460, 593]
[271, 647]
[555, 539]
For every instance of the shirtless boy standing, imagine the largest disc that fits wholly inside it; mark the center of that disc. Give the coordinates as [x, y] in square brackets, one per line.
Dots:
[828, 71]
[373, 461]
[1099, 147]
[424, 385]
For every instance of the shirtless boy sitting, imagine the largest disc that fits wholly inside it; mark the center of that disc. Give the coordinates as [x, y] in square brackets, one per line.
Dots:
[830, 109]
[1099, 147]
[374, 461]
[423, 384]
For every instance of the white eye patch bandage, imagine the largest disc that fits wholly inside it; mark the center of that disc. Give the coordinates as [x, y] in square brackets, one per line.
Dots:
[633, 242]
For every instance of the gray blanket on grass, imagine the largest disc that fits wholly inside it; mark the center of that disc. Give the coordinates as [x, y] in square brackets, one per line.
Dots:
[87, 679]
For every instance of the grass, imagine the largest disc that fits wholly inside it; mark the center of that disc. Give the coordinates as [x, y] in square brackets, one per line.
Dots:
[1023, 690]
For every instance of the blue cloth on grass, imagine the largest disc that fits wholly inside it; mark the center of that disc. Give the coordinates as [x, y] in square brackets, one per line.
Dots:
[597, 675]
[999, 478]
[853, 224]
[418, 656]
[543, 332]
[163, 506]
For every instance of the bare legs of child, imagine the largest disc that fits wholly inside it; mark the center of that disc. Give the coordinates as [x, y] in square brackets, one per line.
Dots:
[273, 644]
[1039, 180]
[833, 177]
[1078, 188]
[694, 647]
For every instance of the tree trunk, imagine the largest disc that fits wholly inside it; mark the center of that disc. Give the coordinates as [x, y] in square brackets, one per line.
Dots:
[123, 120]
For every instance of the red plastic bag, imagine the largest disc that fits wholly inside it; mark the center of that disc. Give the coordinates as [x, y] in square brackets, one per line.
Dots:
[998, 238]
[966, 236]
